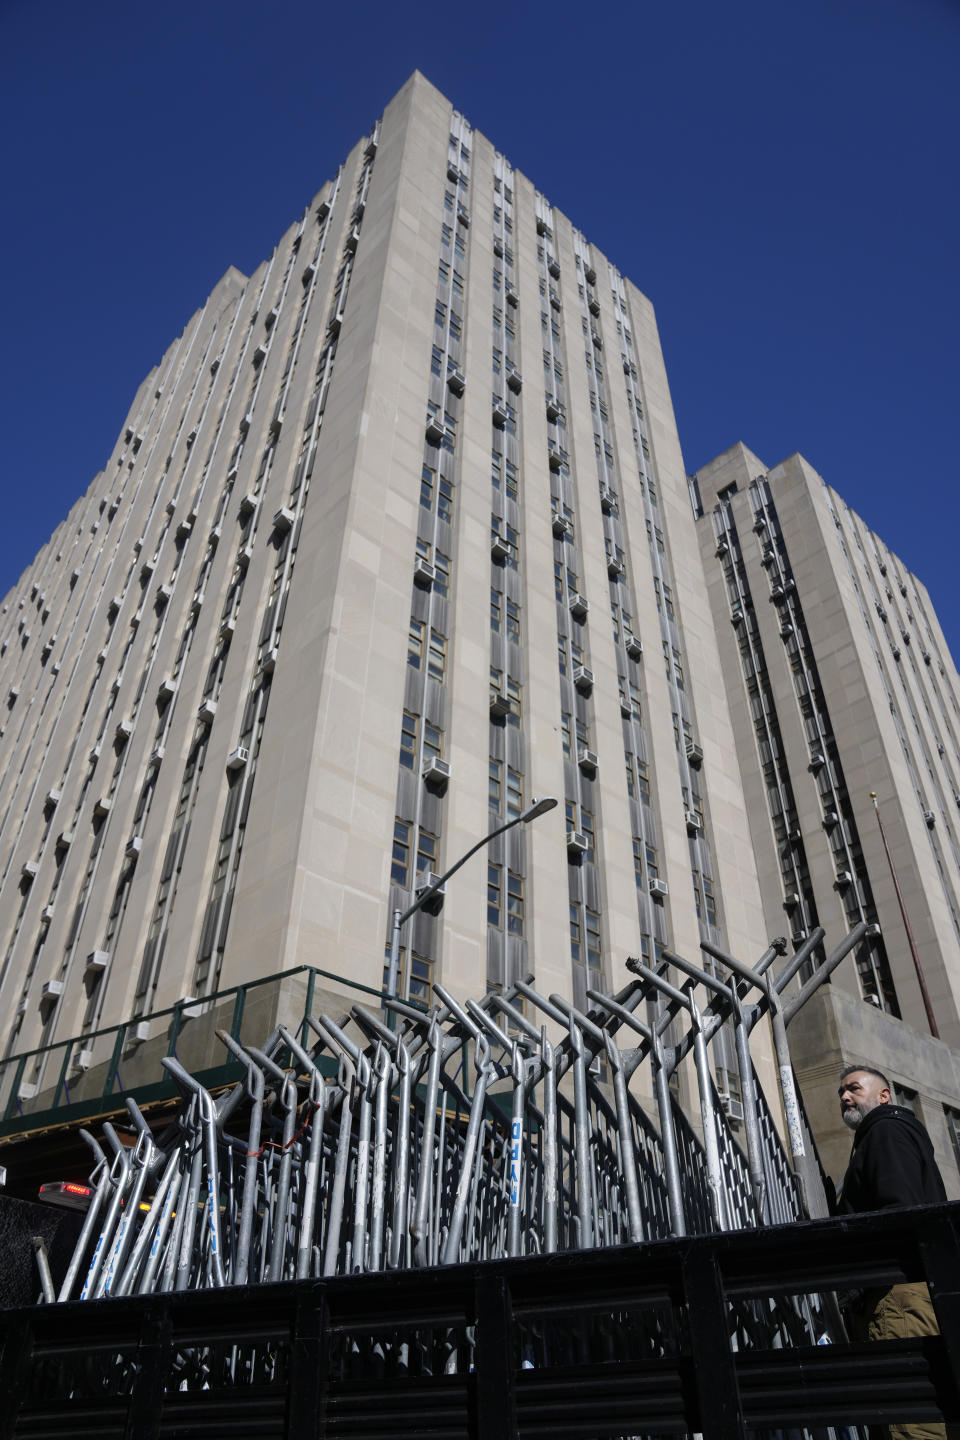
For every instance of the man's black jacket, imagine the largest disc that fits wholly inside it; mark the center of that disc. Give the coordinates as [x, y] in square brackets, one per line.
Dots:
[891, 1163]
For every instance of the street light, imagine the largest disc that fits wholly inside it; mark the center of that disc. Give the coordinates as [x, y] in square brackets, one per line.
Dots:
[400, 918]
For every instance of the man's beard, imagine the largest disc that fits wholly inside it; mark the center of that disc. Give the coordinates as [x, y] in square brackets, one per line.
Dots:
[852, 1116]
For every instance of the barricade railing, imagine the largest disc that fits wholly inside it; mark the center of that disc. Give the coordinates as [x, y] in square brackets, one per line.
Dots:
[637, 1341]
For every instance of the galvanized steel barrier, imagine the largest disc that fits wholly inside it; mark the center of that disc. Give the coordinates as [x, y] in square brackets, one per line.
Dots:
[460, 1134]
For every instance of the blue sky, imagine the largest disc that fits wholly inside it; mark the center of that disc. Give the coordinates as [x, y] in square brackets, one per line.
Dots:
[780, 178]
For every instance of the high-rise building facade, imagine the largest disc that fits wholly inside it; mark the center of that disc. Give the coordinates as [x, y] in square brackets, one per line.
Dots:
[847, 716]
[397, 537]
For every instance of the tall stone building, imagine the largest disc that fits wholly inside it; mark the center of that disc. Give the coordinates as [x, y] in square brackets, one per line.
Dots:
[396, 537]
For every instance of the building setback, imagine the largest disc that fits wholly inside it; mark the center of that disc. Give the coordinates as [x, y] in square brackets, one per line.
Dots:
[397, 537]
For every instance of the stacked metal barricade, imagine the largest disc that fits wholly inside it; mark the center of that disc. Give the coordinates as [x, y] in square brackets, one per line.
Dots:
[465, 1133]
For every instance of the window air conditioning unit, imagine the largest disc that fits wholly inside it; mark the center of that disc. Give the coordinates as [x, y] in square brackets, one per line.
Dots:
[615, 567]
[137, 1034]
[213, 539]
[881, 611]
[238, 758]
[515, 381]
[658, 888]
[722, 549]
[259, 354]
[28, 870]
[587, 760]
[872, 932]
[798, 936]
[554, 458]
[227, 628]
[786, 631]
[733, 1109]
[436, 771]
[817, 760]
[579, 605]
[760, 524]
[123, 731]
[244, 556]
[103, 807]
[190, 1010]
[500, 705]
[736, 615]
[270, 319]
[791, 900]
[768, 558]
[844, 878]
[163, 595]
[608, 500]
[64, 839]
[456, 382]
[795, 835]
[113, 609]
[500, 548]
[561, 525]
[929, 819]
[512, 297]
[555, 300]
[435, 904]
[248, 505]
[81, 1060]
[52, 990]
[590, 275]
[896, 652]
[583, 679]
[634, 646]
[206, 710]
[500, 415]
[553, 266]
[309, 271]
[268, 660]
[597, 341]
[156, 755]
[830, 817]
[283, 520]
[434, 430]
[694, 755]
[777, 594]
[577, 842]
[693, 822]
[553, 408]
[498, 247]
[97, 962]
[926, 656]
[463, 215]
[46, 914]
[27, 1090]
[167, 688]
[453, 172]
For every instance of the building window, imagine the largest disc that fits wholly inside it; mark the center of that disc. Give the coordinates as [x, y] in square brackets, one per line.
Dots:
[496, 611]
[437, 657]
[514, 792]
[400, 864]
[565, 735]
[494, 895]
[426, 853]
[638, 861]
[576, 933]
[495, 785]
[594, 954]
[514, 904]
[415, 639]
[432, 741]
[513, 621]
[414, 982]
[408, 740]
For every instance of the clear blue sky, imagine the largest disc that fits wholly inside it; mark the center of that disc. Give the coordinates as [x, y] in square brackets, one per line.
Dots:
[780, 178]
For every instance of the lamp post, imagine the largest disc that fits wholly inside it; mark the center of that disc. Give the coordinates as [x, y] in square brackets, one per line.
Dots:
[400, 918]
